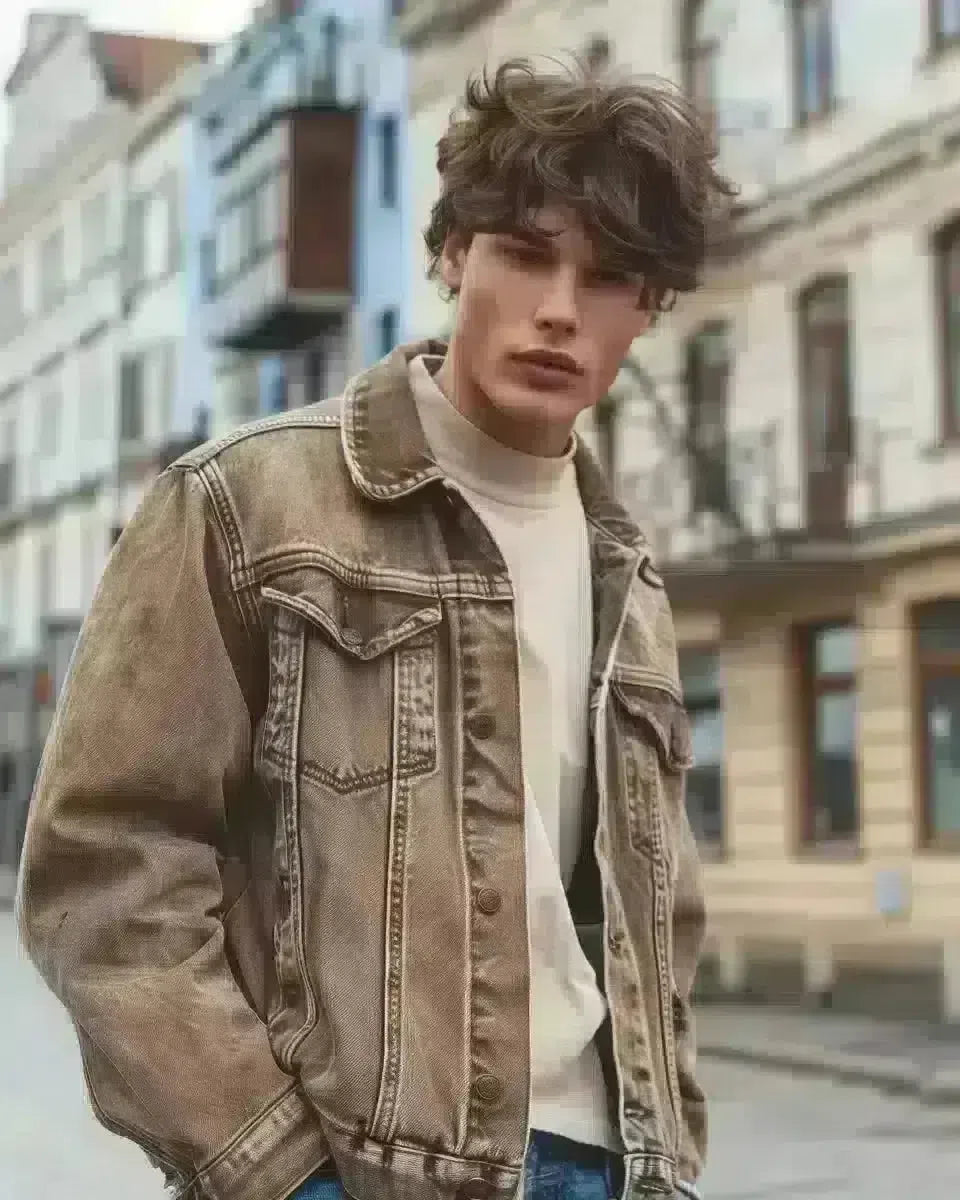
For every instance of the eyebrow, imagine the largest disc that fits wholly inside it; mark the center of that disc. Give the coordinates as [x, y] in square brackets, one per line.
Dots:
[541, 238]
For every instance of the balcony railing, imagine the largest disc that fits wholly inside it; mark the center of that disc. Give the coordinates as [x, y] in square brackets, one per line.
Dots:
[760, 504]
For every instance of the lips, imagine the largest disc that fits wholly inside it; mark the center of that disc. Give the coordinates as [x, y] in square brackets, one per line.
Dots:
[550, 360]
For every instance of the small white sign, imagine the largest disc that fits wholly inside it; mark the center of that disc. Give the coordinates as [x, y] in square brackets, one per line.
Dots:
[892, 892]
[941, 724]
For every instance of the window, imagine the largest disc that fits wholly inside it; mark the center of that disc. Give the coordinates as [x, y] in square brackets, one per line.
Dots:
[247, 224]
[700, 675]
[314, 375]
[11, 304]
[947, 249]
[51, 271]
[701, 49]
[597, 54]
[132, 399]
[708, 378]
[208, 267]
[49, 416]
[136, 241]
[8, 450]
[154, 235]
[388, 162]
[161, 232]
[278, 392]
[8, 593]
[93, 231]
[91, 561]
[937, 647]
[240, 384]
[45, 577]
[826, 389]
[944, 23]
[828, 660]
[388, 331]
[93, 386]
[812, 59]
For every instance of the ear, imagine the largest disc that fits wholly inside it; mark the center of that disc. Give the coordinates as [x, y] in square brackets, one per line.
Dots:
[452, 262]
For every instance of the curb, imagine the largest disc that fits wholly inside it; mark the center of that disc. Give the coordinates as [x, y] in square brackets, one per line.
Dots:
[894, 1078]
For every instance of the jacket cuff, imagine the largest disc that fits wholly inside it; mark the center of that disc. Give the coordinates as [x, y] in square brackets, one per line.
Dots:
[688, 1191]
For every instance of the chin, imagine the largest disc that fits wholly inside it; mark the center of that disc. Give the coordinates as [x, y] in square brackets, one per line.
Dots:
[555, 405]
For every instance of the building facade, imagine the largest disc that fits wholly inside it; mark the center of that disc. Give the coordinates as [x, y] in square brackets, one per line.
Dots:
[789, 438]
[299, 141]
[93, 130]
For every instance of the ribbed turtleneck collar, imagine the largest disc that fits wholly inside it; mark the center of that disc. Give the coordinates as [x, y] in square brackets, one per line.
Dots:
[477, 461]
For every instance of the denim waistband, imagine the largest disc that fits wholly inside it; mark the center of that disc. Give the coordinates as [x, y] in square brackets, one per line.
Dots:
[547, 1149]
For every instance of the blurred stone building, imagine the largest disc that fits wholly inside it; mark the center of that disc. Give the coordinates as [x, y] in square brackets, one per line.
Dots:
[790, 441]
[92, 401]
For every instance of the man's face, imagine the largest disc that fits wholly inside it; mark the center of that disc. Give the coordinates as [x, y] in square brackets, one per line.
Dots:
[542, 327]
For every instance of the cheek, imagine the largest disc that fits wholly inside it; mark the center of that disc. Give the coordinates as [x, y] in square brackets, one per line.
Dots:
[614, 329]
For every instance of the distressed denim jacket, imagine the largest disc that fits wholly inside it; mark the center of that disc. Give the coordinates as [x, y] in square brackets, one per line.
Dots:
[274, 865]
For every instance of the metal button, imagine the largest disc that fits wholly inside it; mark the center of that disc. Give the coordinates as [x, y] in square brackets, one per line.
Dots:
[351, 637]
[488, 1088]
[614, 941]
[489, 901]
[482, 726]
[475, 1189]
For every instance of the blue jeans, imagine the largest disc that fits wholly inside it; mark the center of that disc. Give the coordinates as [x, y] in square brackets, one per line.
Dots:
[556, 1169]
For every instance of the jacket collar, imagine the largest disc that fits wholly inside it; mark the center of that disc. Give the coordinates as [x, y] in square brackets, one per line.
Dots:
[388, 457]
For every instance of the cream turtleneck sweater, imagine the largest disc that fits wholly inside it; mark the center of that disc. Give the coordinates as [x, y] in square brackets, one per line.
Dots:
[531, 507]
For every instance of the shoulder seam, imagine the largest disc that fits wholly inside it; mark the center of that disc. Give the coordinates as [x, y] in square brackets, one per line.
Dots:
[194, 459]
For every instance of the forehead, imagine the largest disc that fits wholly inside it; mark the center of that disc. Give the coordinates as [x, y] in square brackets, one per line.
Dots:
[558, 227]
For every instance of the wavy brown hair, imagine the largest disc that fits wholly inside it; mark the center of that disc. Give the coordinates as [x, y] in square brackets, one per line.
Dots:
[634, 160]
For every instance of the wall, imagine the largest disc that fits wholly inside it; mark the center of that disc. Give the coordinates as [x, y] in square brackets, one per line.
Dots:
[64, 91]
[161, 310]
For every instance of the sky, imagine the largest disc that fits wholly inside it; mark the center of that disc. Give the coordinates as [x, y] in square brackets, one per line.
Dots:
[201, 20]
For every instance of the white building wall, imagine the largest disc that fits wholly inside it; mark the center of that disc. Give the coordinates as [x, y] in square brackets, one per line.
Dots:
[887, 84]
[159, 311]
[64, 91]
[66, 500]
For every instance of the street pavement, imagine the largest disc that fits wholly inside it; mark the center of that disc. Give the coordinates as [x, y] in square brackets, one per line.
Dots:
[774, 1136]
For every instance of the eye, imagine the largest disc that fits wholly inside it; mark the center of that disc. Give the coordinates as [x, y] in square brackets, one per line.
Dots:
[610, 277]
[522, 253]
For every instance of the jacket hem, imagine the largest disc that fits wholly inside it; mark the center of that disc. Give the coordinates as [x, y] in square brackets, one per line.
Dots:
[269, 1160]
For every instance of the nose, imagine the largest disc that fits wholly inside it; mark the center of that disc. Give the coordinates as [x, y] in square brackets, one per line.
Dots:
[558, 311]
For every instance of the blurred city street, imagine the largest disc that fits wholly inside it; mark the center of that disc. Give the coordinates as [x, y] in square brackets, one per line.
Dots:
[774, 1135]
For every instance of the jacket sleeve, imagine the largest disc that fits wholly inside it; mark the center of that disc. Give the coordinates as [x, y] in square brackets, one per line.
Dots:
[689, 925]
[120, 896]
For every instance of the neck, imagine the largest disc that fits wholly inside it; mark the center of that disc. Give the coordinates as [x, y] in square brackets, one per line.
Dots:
[528, 436]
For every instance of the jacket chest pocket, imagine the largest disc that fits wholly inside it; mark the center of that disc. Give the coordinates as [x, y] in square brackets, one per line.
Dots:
[353, 681]
[655, 752]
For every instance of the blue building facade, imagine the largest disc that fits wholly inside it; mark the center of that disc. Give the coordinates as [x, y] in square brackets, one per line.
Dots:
[298, 208]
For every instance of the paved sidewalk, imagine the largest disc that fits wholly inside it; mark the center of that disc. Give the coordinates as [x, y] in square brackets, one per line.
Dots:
[915, 1059]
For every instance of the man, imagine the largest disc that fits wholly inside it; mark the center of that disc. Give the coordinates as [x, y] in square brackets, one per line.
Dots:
[358, 854]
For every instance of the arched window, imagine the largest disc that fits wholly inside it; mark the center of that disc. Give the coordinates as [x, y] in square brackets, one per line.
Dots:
[826, 400]
[708, 388]
[814, 87]
[597, 54]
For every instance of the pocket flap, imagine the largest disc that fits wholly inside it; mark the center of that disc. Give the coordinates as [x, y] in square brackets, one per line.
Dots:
[364, 622]
[664, 716]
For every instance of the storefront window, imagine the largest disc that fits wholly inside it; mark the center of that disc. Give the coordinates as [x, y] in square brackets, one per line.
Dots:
[700, 675]
[831, 802]
[938, 653]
